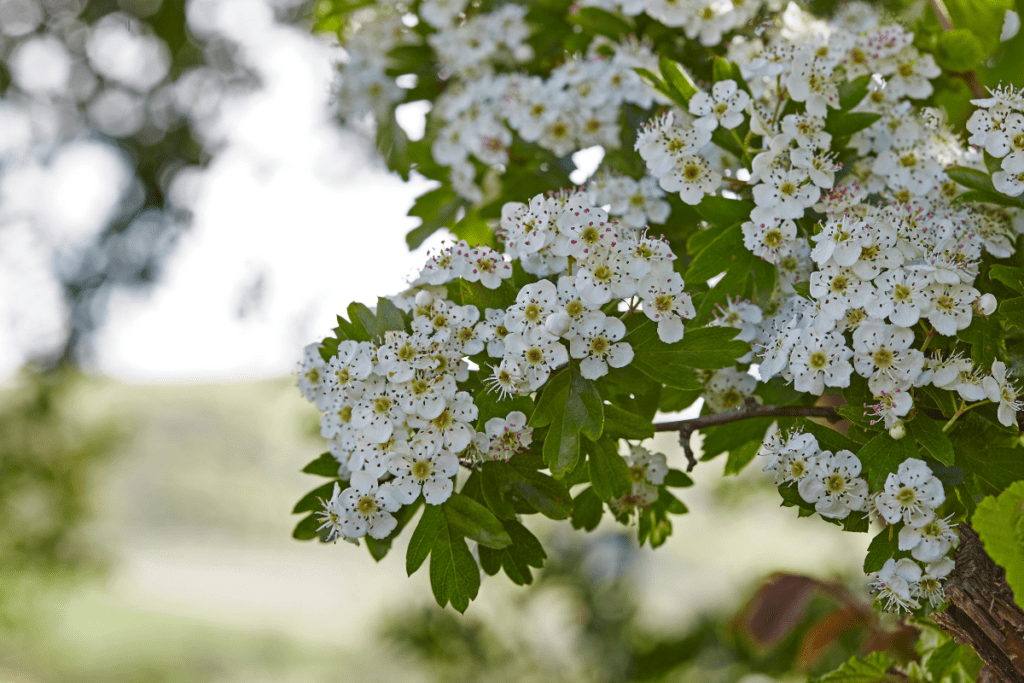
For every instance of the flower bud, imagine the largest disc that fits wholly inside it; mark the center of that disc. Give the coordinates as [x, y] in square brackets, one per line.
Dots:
[985, 304]
[558, 323]
[424, 298]
[898, 431]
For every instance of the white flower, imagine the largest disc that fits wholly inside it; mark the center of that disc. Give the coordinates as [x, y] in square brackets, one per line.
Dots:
[901, 296]
[313, 376]
[366, 507]
[820, 359]
[769, 241]
[931, 541]
[911, 494]
[951, 307]
[692, 177]
[332, 515]
[891, 407]
[534, 303]
[375, 413]
[882, 353]
[725, 106]
[451, 427]
[509, 435]
[839, 289]
[424, 469]
[930, 585]
[352, 364]
[485, 265]
[1000, 389]
[743, 315]
[595, 344]
[896, 583]
[833, 485]
[784, 194]
[537, 352]
[812, 82]
[1011, 25]
[426, 397]
[665, 302]
[840, 240]
[791, 461]
[647, 471]
[727, 389]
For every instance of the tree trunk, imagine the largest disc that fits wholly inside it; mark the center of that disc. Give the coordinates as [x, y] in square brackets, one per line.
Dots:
[981, 611]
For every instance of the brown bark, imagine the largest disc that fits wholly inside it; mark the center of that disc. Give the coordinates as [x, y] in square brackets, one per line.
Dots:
[981, 610]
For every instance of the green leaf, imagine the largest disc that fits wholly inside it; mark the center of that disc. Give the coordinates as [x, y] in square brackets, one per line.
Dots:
[870, 669]
[724, 212]
[454, 574]
[852, 92]
[987, 340]
[704, 348]
[678, 81]
[493, 484]
[379, 547]
[542, 492]
[972, 178]
[1000, 524]
[436, 209]
[389, 316]
[1009, 276]
[828, 438]
[600, 21]
[551, 401]
[882, 547]
[325, 466]
[726, 437]
[361, 315]
[584, 407]
[306, 530]
[422, 539]
[609, 473]
[843, 124]
[525, 552]
[655, 82]
[717, 257]
[578, 410]
[472, 520]
[741, 456]
[995, 468]
[944, 659]
[927, 432]
[311, 501]
[1013, 311]
[586, 510]
[622, 424]
[883, 455]
[678, 479]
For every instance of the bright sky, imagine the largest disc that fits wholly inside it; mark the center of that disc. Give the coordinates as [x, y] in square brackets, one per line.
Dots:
[292, 200]
[292, 208]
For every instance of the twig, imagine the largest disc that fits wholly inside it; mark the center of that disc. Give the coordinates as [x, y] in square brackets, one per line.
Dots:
[688, 427]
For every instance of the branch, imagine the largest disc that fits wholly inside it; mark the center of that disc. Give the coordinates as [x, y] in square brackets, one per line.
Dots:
[688, 427]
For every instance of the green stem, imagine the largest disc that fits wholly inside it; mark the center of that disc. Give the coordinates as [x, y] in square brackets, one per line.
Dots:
[960, 411]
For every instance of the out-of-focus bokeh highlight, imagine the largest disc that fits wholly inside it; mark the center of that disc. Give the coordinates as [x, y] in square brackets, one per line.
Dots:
[179, 215]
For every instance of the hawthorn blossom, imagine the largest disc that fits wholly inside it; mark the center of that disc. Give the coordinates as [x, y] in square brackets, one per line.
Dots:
[820, 359]
[425, 468]
[724, 106]
[896, 583]
[833, 486]
[366, 507]
[911, 494]
[1002, 390]
[508, 435]
[596, 344]
[929, 542]
[537, 352]
[665, 302]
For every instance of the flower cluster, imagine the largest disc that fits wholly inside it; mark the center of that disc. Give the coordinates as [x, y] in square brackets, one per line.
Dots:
[394, 411]
[998, 127]
[577, 106]
[908, 501]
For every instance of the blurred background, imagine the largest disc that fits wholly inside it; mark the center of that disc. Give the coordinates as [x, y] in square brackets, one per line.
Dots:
[179, 215]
